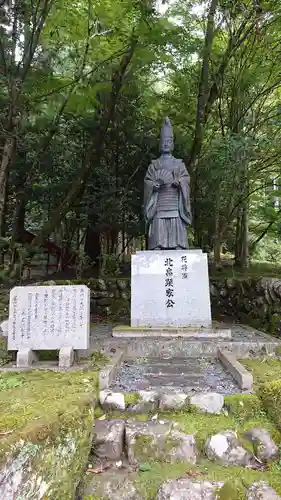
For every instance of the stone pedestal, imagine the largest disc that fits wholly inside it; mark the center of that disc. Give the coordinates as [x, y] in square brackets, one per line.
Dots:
[170, 289]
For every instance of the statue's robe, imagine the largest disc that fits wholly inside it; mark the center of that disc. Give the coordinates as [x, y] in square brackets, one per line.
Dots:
[167, 211]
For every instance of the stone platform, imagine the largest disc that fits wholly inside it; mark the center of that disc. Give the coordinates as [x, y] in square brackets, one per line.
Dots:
[245, 342]
[183, 365]
[212, 333]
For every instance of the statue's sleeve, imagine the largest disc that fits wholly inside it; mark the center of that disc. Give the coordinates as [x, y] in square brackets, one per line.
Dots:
[184, 201]
[150, 196]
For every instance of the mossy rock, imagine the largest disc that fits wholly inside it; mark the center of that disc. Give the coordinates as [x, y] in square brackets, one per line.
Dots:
[120, 308]
[144, 448]
[147, 447]
[54, 467]
[46, 420]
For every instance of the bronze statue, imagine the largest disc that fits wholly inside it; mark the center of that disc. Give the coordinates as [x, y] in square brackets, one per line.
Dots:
[166, 197]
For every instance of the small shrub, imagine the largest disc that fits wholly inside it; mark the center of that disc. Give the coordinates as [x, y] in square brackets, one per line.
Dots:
[270, 394]
[110, 265]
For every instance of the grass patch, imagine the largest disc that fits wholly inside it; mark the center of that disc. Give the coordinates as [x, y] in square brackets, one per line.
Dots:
[270, 394]
[205, 425]
[131, 398]
[263, 369]
[256, 269]
[237, 479]
[244, 407]
[35, 405]
[98, 360]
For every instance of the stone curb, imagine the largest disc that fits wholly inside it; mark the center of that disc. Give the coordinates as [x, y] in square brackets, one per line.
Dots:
[169, 400]
[239, 373]
[185, 333]
[108, 372]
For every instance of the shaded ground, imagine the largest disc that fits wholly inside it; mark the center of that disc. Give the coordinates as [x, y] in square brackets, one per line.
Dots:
[190, 375]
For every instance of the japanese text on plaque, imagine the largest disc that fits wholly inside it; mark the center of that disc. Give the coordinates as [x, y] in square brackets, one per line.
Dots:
[169, 282]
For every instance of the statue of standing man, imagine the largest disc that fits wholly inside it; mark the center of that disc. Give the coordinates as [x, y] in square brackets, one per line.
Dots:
[166, 197]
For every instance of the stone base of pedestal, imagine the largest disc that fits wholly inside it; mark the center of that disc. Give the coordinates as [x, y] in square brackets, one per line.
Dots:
[214, 332]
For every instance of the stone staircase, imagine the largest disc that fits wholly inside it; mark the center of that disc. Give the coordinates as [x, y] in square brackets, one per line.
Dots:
[186, 374]
[123, 450]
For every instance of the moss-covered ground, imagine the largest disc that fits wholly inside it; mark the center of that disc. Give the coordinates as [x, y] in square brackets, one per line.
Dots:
[243, 413]
[36, 405]
[240, 478]
[263, 369]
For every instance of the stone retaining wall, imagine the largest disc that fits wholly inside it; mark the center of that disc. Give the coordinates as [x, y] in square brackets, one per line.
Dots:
[252, 300]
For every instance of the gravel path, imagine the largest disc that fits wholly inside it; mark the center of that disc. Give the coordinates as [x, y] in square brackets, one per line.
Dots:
[190, 375]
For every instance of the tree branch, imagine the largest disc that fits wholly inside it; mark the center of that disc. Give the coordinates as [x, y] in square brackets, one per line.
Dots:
[94, 154]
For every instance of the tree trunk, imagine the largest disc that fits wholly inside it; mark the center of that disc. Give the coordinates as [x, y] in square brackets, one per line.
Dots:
[217, 242]
[203, 90]
[8, 153]
[93, 247]
[19, 218]
[203, 93]
[242, 239]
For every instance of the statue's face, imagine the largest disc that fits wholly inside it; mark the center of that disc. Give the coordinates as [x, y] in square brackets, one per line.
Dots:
[167, 145]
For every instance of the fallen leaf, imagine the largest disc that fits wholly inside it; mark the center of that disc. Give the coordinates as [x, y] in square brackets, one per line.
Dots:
[103, 417]
[194, 473]
[99, 470]
[2, 434]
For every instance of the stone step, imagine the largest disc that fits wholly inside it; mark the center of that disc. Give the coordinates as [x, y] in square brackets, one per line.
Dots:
[188, 374]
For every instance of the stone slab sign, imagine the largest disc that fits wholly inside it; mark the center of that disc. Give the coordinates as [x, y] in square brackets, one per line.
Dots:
[48, 318]
[170, 288]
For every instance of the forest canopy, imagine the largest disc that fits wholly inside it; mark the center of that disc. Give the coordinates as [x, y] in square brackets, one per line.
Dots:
[84, 89]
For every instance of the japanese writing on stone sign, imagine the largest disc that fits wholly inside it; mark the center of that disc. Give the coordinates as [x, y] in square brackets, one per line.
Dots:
[49, 317]
[184, 274]
[169, 282]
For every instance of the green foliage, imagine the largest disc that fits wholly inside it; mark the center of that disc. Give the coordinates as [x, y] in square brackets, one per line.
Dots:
[110, 265]
[98, 359]
[270, 394]
[82, 262]
[244, 407]
[11, 381]
[66, 92]
[268, 249]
